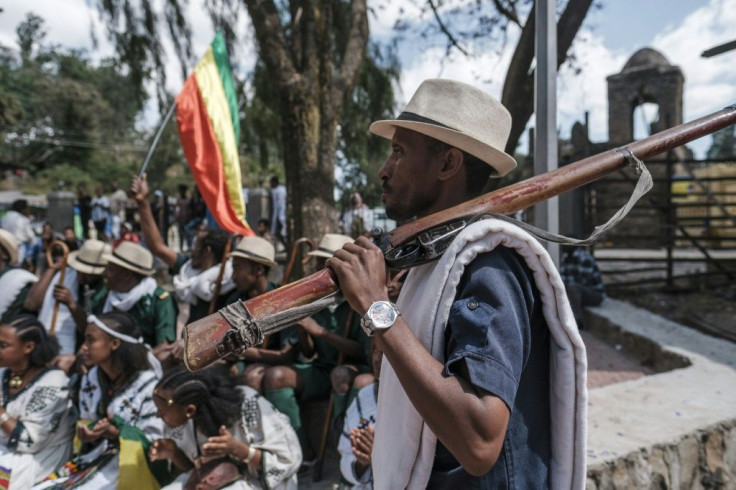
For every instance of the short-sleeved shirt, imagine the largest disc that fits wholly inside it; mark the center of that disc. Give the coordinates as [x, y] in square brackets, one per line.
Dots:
[201, 308]
[496, 328]
[155, 315]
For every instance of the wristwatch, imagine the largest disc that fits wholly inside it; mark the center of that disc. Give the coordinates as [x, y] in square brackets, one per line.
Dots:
[380, 316]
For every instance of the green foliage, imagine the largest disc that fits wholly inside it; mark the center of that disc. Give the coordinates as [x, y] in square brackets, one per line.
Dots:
[64, 119]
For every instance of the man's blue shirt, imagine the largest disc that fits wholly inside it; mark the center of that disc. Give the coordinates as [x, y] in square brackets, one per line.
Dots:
[497, 330]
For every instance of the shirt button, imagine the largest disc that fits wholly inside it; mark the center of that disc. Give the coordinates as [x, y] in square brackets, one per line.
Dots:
[472, 304]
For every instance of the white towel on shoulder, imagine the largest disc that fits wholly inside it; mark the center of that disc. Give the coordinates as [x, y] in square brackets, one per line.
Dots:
[191, 285]
[404, 448]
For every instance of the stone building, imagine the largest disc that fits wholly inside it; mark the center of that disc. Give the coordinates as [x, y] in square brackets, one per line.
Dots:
[647, 77]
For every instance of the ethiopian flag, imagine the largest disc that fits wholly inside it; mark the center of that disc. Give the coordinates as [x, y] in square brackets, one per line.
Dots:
[209, 128]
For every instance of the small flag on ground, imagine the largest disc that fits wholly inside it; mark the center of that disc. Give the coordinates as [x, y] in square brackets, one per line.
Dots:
[209, 128]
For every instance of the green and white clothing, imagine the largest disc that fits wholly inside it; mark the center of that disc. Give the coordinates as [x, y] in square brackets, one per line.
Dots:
[261, 426]
[14, 284]
[197, 287]
[153, 308]
[42, 438]
[134, 414]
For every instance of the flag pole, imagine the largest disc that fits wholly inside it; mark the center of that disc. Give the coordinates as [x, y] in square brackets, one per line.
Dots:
[155, 139]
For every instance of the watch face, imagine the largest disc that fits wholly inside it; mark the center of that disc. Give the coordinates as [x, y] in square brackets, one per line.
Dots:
[383, 314]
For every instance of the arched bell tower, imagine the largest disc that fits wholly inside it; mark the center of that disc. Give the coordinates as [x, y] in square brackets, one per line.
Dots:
[646, 78]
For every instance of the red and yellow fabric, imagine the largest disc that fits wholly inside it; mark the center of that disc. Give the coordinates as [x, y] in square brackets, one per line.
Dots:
[209, 128]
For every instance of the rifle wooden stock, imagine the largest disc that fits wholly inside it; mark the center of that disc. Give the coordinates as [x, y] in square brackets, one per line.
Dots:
[203, 336]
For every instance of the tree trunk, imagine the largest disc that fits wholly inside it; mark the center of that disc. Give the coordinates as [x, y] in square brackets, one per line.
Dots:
[518, 88]
[313, 76]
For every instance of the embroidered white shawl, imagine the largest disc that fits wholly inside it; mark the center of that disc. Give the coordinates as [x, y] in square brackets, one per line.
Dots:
[45, 440]
[404, 446]
[192, 284]
[261, 426]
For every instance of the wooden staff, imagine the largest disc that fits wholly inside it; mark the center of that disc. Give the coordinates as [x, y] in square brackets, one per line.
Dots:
[292, 258]
[317, 473]
[221, 273]
[206, 338]
[62, 274]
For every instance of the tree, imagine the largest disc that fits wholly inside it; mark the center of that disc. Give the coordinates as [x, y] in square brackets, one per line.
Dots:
[63, 118]
[311, 54]
[465, 23]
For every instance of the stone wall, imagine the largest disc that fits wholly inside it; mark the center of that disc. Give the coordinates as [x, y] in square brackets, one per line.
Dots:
[702, 460]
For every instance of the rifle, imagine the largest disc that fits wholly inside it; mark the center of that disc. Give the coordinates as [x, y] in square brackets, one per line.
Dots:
[242, 325]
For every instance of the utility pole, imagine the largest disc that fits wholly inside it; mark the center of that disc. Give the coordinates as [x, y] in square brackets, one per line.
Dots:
[546, 214]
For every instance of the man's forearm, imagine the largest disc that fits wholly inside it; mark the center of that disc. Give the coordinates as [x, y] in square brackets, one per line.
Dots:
[470, 425]
[152, 235]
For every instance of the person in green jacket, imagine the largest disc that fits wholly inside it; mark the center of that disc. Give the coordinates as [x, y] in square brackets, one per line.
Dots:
[131, 288]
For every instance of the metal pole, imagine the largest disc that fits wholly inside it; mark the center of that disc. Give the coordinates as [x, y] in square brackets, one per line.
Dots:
[546, 214]
[156, 138]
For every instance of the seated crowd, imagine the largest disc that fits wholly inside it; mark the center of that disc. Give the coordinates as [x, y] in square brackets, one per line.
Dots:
[94, 394]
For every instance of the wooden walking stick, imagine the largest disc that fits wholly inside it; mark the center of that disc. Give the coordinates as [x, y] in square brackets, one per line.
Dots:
[221, 273]
[62, 273]
[292, 258]
[214, 336]
[317, 473]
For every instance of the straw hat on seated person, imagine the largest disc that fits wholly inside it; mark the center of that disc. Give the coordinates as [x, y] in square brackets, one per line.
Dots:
[256, 249]
[132, 257]
[329, 244]
[90, 258]
[10, 244]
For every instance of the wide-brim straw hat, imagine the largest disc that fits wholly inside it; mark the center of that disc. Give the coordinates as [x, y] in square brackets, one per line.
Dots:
[90, 258]
[329, 244]
[459, 115]
[256, 249]
[133, 257]
[10, 244]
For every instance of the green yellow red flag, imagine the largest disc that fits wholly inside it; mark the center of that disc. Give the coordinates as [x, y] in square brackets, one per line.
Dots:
[209, 129]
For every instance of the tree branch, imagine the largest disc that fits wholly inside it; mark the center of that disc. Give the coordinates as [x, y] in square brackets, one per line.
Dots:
[508, 12]
[443, 28]
[354, 52]
[271, 40]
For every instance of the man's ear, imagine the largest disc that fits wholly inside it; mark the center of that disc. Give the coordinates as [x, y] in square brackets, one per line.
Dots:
[451, 164]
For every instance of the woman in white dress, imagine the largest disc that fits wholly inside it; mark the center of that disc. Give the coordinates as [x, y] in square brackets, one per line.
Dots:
[116, 411]
[36, 425]
[220, 435]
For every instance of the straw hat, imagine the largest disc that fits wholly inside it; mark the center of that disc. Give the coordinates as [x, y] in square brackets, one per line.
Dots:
[133, 257]
[256, 249]
[459, 115]
[90, 259]
[10, 244]
[329, 244]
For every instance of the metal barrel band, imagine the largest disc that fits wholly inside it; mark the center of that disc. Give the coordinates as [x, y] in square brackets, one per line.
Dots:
[244, 330]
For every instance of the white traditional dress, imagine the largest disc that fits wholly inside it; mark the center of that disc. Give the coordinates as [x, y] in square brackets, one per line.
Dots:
[42, 438]
[361, 413]
[264, 428]
[65, 327]
[134, 414]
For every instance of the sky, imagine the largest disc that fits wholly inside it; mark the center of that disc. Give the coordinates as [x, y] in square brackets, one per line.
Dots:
[679, 29]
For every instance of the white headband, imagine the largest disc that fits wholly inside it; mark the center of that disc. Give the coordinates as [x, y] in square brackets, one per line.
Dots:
[121, 336]
[152, 360]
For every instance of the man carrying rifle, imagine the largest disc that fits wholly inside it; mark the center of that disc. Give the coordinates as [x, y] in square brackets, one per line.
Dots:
[465, 385]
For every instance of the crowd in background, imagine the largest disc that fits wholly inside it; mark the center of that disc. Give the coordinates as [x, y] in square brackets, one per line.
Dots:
[94, 392]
